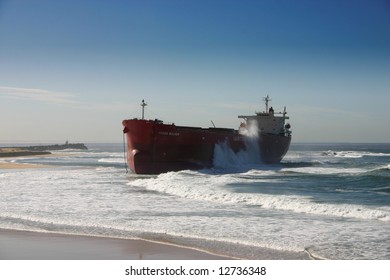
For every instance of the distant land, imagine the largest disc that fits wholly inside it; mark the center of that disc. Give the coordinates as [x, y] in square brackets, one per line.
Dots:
[38, 150]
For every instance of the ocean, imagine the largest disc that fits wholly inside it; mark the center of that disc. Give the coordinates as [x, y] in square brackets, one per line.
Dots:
[326, 201]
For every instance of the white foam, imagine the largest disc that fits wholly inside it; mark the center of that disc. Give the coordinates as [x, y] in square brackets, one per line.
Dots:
[111, 160]
[213, 188]
[355, 154]
[194, 207]
[225, 157]
[325, 170]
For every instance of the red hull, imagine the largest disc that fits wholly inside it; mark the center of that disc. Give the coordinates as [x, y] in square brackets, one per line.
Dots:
[154, 147]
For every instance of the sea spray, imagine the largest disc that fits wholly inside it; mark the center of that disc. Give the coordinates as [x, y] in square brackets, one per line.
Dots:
[250, 130]
[225, 157]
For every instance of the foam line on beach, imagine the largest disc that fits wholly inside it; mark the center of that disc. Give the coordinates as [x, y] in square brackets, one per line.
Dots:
[58, 246]
[220, 247]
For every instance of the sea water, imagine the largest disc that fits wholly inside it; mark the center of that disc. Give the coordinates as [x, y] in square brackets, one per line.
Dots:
[329, 201]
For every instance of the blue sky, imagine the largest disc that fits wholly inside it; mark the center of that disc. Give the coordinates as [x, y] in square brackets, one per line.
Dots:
[72, 70]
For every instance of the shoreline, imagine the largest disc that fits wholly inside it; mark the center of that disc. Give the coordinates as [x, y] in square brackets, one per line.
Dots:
[29, 245]
[34, 245]
[11, 152]
[6, 160]
[38, 150]
[13, 165]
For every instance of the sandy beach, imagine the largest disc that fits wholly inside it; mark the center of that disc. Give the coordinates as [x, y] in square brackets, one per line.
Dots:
[31, 245]
[8, 154]
[23, 245]
[12, 165]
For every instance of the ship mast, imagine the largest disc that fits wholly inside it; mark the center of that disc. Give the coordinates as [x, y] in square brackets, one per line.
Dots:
[143, 104]
[266, 99]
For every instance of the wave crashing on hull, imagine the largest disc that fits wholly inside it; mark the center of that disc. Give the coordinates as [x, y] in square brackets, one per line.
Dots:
[226, 158]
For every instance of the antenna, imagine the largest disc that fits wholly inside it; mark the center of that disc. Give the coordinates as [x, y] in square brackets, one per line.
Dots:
[143, 104]
[266, 99]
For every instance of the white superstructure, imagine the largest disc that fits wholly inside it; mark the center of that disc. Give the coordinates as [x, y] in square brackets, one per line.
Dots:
[268, 121]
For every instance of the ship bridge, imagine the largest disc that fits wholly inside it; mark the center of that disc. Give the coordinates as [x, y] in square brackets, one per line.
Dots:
[268, 121]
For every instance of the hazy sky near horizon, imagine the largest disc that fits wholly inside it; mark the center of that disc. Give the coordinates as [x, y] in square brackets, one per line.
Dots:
[73, 70]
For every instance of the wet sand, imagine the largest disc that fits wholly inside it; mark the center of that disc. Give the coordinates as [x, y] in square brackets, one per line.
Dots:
[24, 245]
[12, 165]
[8, 155]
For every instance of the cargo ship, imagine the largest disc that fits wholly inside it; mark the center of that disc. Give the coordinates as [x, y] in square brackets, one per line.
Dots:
[155, 147]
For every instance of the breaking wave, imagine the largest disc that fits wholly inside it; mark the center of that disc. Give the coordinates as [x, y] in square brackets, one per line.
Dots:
[354, 154]
[225, 157]
[198, 186]
[330, 199]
